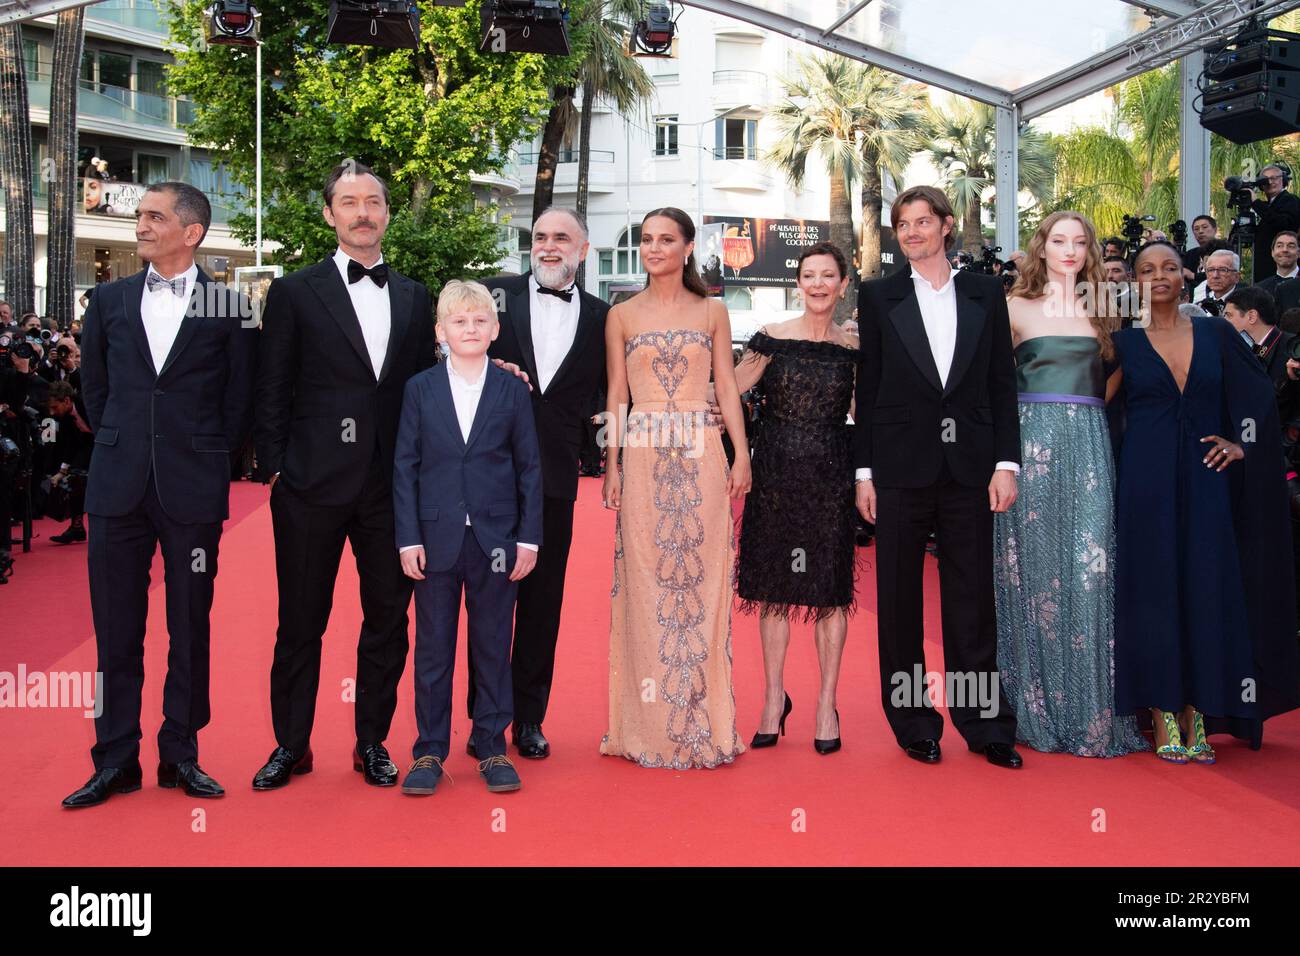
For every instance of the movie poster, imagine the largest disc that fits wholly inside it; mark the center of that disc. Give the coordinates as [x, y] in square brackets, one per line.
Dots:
[763, 253]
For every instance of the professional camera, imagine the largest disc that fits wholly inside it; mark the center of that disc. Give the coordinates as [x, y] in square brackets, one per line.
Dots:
[1294, 348]
[1244, 219]
[1236, 184]
[988, 258]
[1178, 233]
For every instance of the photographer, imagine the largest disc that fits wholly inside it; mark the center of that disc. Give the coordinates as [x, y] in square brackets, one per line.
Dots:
[66, 366]
[1205, 230]
[1115, 247]
[17, 416]
[68, 460]
[1222, 274]
[1277, 210]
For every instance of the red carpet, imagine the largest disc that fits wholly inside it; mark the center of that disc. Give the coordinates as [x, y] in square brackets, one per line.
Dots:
[868, 804]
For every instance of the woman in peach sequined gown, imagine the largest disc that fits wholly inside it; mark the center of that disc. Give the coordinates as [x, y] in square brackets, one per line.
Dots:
[670, 697]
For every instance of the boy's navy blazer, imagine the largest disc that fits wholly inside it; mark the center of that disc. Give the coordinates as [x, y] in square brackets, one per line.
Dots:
[438, 477]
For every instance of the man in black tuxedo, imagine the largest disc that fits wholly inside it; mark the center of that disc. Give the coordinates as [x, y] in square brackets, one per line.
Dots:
[1286, 250]
[1253, 314]
[556, 333]
[936, 446]
[339, 340]
[1278, 210]
[167, 371]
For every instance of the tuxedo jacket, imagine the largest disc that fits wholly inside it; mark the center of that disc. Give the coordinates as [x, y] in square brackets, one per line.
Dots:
[494, 477]
[322, 417]
[1274, 217]
[181, 421]
[564, 406]
[908, 424]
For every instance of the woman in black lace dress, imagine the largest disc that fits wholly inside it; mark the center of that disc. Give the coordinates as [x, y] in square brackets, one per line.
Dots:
[797, 537]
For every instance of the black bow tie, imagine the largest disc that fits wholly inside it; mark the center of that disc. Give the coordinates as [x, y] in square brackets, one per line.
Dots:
[378, 273]
[565, 294]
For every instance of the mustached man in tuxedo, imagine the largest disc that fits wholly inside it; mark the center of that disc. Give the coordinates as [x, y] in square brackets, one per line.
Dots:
[340, 339]
[937, 447]
[167, 371]
[556, 333]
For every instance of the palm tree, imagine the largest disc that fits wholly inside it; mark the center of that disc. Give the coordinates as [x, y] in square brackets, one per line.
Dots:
[893, 125]
[1132, 165]
[16, 172]
[608, 70]
[964, 149]
[60, 264]
[818, 116]
[559, 120]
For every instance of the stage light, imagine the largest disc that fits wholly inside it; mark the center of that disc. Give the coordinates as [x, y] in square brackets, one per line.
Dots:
[393, 24]
[524, 26]
[233, 23]
[654, 35]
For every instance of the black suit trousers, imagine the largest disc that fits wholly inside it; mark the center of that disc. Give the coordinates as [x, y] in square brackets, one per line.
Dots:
[308, 547]
[120, 554]
[961, 518]
[537, 617]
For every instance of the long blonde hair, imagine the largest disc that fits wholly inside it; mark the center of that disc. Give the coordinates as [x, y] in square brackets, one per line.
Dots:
[1031, 282]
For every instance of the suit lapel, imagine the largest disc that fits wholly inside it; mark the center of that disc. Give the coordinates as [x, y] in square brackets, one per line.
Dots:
[971, 316]
[441, 385]
[132, 293]
[907, 321]
[194, 313]
[401, 292]
[493, 388]
[586, 319]
[519, 308]
[328, 285]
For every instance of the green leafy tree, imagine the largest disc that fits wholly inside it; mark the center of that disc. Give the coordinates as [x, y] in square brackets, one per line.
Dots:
[426, 120]
[964, 149]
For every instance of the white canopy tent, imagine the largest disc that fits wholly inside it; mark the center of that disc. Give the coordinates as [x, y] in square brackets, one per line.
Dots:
[1023, 58]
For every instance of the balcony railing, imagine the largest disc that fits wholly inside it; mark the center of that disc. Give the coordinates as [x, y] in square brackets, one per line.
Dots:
[120, 105]
[735, 152]
[137, 14]
[570, 156]
[750, 77]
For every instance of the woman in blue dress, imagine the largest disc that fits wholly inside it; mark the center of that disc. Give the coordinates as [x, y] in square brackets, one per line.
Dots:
[1204, 591]
[1054, 548]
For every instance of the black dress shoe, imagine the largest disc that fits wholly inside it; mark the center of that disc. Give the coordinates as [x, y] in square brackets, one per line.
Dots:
[104, 784]
[190, 775]
[926, 751]
[71, 536]
[528, 738]
[1002, 755]
[282, 764]
[373, 762]
[769, 740]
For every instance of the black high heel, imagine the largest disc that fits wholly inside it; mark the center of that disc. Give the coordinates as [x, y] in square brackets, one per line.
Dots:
[769, 740]
[828, 746]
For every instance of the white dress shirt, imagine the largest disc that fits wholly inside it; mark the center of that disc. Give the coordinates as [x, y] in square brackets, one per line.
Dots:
[162, 311]
[554, 326]
[939, 316]
[465, 395]
[370, 302]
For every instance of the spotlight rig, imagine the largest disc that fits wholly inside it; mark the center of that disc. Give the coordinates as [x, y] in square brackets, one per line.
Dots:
[524, 26]
[394, 24]
[654, 35]
[233, 23]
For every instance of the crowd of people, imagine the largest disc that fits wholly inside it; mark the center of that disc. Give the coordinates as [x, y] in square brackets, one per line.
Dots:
[1100, 456]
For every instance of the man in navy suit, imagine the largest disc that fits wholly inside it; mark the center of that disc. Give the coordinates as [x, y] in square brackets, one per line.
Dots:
[167, 370]
[467, 501]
